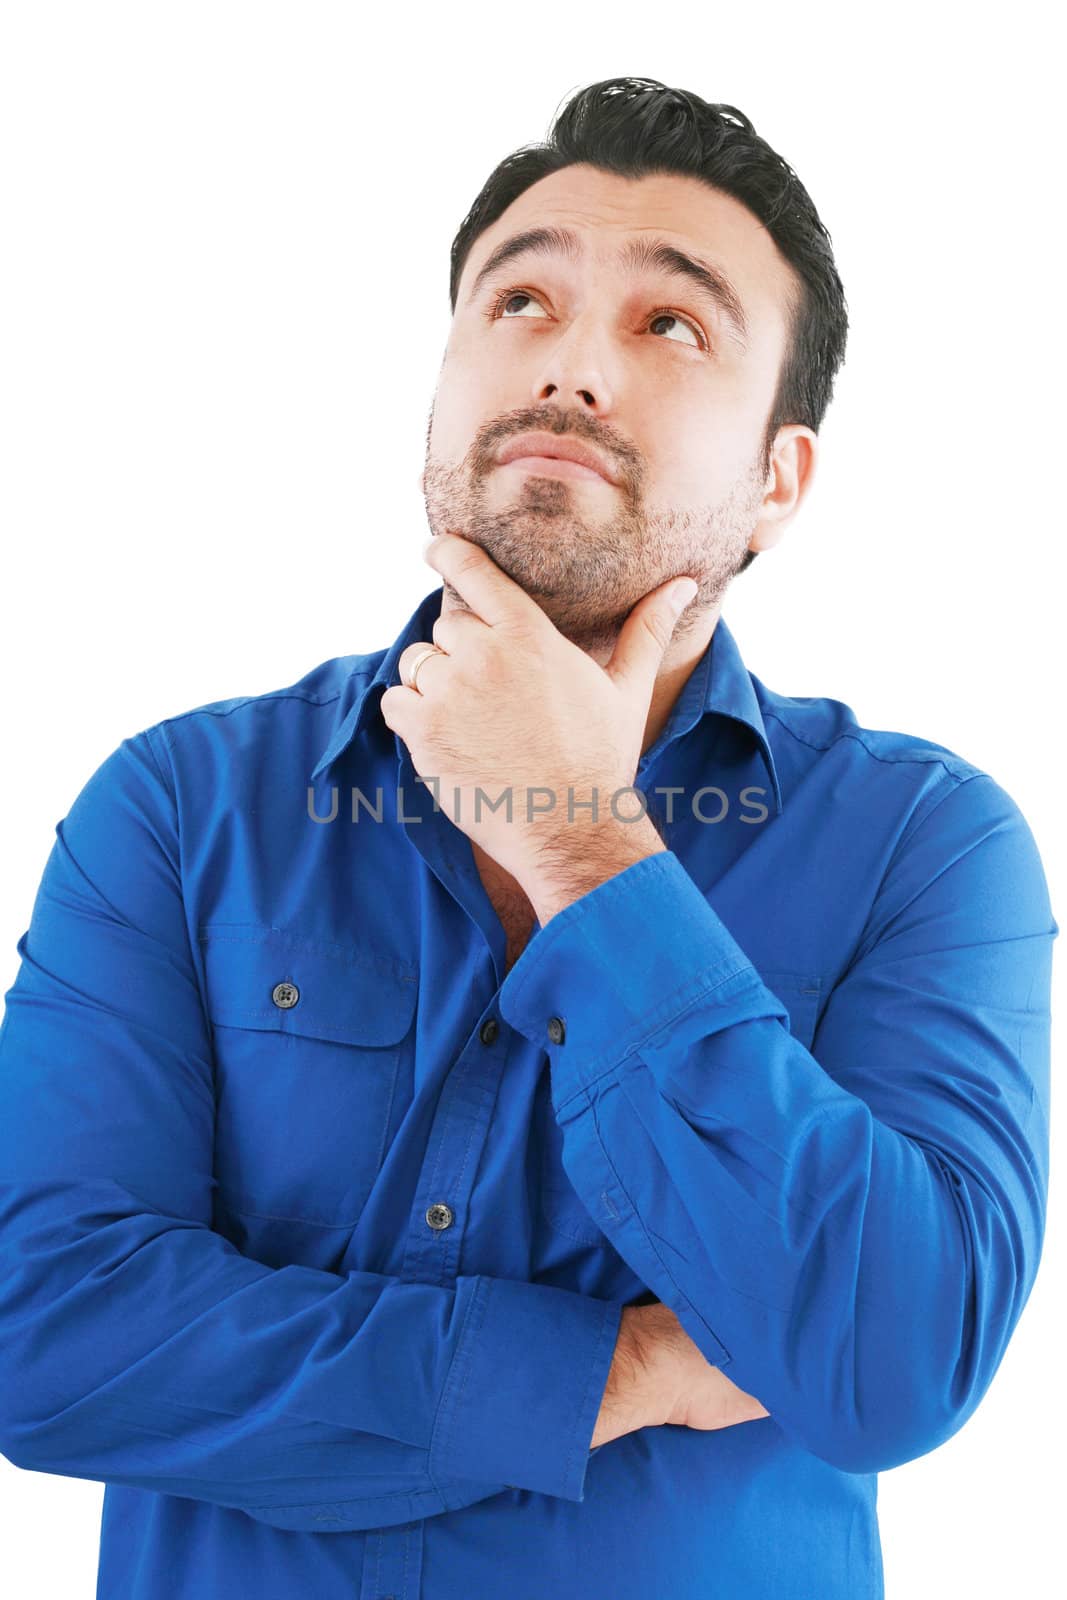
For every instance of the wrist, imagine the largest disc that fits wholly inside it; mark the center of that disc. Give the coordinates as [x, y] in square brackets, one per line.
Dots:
[654, 1334]
[572, 864]
[639, 1392]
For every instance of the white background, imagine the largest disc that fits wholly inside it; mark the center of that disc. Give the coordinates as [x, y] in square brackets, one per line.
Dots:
[223, 305]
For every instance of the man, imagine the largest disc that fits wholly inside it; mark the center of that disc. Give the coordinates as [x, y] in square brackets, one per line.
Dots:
[532, 1110]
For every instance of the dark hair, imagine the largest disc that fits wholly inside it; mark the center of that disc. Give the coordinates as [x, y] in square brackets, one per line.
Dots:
[636, 126]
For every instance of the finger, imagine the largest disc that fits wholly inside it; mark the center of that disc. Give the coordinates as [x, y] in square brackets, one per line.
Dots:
[459, 629]
[436, 663]
[472, 572]
[644, 637]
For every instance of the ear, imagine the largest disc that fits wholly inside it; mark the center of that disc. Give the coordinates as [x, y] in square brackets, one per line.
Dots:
[789, 477]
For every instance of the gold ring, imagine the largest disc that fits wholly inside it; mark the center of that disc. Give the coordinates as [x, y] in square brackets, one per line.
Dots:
[413, 670]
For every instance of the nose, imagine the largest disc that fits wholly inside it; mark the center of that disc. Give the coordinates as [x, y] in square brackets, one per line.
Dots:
[574, 374]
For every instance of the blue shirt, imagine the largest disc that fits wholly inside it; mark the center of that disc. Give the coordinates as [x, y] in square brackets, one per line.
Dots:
[317, 1223]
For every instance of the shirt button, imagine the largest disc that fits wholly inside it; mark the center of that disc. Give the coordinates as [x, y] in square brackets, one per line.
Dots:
[439, 1215]
[488, 1030]
[556, 1031]
[285, 995]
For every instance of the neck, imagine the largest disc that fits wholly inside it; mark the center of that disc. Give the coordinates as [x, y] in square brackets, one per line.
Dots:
[682, 655]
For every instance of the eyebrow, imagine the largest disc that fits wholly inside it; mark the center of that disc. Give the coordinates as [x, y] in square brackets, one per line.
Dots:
[640, 255]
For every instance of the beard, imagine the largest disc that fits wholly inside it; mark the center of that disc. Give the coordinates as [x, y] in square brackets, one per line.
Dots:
[587, 572]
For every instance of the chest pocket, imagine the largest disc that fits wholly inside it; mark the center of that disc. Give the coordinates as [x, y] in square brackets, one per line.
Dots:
[561, 1206]
[308, 1040]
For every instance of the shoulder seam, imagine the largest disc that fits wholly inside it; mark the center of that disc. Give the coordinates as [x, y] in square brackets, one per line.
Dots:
[215, 709]
[169, 787]
[888, 761]
[922, 813]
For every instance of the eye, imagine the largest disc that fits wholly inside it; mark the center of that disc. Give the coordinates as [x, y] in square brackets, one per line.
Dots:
[497, 312]
[680, 322]
[505, 297]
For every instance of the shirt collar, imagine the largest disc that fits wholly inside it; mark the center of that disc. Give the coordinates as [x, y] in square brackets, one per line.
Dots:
[720, 682]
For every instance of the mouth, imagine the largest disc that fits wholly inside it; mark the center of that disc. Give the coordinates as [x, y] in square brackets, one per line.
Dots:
[555, 455]
[555, 467]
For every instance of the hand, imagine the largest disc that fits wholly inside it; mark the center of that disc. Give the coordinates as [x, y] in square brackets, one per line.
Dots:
[659, 1376]
[513, 707]
[703, 1397]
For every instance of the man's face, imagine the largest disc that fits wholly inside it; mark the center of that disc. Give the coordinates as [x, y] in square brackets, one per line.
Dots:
[645, 367]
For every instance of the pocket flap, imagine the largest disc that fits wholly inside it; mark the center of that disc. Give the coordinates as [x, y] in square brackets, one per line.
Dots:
[343, 992]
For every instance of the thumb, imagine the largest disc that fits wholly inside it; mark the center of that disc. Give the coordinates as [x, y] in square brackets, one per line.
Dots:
[647, 631]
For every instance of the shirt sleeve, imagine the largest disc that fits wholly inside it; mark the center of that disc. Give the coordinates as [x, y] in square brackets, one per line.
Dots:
[139, 1346]
[853, 1231]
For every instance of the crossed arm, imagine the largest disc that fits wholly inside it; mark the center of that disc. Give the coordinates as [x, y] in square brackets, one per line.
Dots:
[852, 1229]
